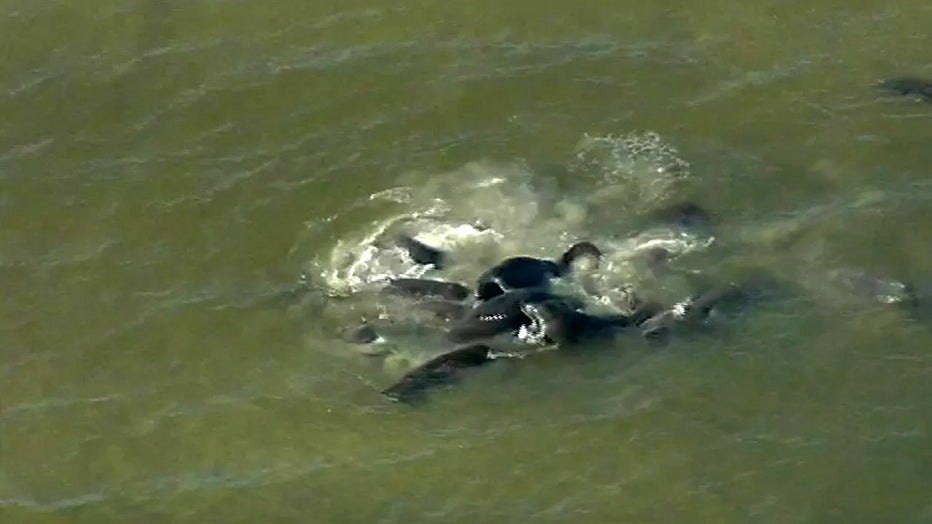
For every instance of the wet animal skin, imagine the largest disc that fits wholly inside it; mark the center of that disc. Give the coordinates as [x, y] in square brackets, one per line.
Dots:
[529, 272]
[510, 296]
[550, 319]
[421, 252]
[441, 370]
[501, 314]
[424, 287]
[513, 298]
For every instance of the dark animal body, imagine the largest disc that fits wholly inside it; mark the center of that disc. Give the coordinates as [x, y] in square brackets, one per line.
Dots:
[438, 371]
[909, 86]
[424, 287]
[421, 252]
[548, 320]
[529, 272]
[512, 298]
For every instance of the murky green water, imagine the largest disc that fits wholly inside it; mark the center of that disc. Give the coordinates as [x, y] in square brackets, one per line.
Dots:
[167, 166]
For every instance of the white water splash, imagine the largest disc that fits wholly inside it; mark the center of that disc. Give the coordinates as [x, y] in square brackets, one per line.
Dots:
[486, 211]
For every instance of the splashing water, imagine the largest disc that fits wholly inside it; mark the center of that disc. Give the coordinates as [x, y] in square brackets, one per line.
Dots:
[486, 211]
[636, 170]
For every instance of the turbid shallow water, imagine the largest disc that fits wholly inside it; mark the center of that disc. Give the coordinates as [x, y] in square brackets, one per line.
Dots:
[168, 167]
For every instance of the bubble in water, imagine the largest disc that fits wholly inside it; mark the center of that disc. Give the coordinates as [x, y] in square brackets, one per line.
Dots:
[637, 170]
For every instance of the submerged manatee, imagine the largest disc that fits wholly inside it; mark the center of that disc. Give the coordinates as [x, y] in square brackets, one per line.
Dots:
[684, 214]
[909, 86]
[882, 290]
[912, 298]
[697, 308]
[425, 287]
[439, 371]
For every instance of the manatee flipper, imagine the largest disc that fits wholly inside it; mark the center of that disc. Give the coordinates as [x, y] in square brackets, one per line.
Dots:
[421, 252]
[438, 371]
[909, 86]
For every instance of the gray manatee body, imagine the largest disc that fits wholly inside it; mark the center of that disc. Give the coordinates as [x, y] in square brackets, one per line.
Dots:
[511, 298]
[548, 320]
[730, 296]
[909, 86]
[440, 371]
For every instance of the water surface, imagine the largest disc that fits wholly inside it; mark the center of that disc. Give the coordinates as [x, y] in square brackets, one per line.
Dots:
[168, 167]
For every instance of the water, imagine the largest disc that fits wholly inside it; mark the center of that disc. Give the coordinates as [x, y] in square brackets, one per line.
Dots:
[168, 168]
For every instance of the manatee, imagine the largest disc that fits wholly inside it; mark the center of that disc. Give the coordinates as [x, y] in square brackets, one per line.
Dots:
[684, 214]
[883, 290]
[361, 334]
[909, 86]
[523, 272]
[540, 317]
[697, 308]
[444, 369]
[557, 322]
[499, 315]
[425, 287]
[421, 252]
[546, 319]
[690, 311]
[518, 272]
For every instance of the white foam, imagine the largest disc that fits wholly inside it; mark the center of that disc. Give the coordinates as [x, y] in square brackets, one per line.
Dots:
[486, 211]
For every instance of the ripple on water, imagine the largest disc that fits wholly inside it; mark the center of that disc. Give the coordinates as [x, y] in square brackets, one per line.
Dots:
[153, 396]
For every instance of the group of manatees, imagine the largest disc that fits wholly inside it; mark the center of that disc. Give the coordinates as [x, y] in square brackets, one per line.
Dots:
[513, 304]
[515, 299]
